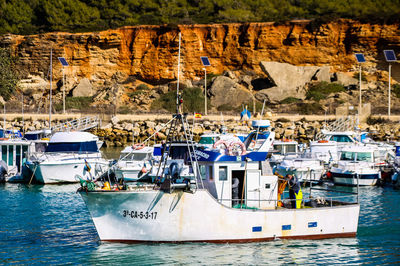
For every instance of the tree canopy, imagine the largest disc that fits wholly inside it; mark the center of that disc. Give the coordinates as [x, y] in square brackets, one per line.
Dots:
[35, 16]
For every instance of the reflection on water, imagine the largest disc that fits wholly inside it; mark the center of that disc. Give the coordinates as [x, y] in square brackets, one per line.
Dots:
[50, 225]
[294, 251]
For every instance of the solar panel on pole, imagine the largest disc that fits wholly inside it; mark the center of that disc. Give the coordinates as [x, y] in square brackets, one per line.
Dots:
[205, 61]
[63, 61]
[360, 58]
[390, 56]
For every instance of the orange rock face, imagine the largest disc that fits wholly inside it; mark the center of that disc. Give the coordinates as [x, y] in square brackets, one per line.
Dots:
[151, 52]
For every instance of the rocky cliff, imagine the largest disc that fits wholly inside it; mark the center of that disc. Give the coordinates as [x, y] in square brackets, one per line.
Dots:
[150, 53]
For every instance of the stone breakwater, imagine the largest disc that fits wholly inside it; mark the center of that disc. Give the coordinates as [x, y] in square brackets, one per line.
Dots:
[122, 133]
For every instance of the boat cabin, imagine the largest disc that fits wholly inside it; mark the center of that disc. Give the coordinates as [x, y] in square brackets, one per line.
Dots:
[14, 153]
[358, 154]
[254, 189]
[73, 142]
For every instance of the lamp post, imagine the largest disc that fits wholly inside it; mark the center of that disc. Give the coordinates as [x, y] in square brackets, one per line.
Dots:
[64, 63]
[360, 59]
[206, 63]
[390, 56]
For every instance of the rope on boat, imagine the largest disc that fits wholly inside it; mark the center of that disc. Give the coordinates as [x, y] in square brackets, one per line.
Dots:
[34, 171]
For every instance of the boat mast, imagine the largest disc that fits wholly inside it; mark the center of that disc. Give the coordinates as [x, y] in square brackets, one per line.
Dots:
[51, 83]
[179, 70]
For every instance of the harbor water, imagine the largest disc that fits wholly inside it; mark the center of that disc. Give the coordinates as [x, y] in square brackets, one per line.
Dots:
[51, 225]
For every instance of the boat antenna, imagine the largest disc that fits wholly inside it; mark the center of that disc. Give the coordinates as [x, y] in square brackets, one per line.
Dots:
[178, 97]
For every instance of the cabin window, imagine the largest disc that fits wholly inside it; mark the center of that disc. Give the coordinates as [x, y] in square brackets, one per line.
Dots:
[18, 156]
[203, 171]
[290, 148]
[340, 138]
[278, 148]
[210, 173]
[10, 155]
[347, 156]
[4, 153]
[24, 151]
[223, 173]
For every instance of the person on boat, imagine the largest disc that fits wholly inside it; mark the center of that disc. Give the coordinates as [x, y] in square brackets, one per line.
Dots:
[295, 193]
[235, 190]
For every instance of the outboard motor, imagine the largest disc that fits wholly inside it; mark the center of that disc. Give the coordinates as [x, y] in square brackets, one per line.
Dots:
[175, 170]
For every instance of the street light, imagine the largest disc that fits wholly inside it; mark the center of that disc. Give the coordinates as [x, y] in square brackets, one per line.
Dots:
[206, 63]
[64, 63]
[360, 59]
[390, 56]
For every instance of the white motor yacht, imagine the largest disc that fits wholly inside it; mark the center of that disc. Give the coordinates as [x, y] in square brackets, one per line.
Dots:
[134, 161]
[357, 165]
[68, 154]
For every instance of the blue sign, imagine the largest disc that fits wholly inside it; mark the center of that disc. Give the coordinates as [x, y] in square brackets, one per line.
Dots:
[257, 228]
[390, 56]
[312, 224]
[287, 227]
[63, 61]
[205, 61]
[360, 58]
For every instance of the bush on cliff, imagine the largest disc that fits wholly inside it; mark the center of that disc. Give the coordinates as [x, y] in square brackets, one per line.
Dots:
[8, 74]
[79, 103]
[193, 101]
[321, 90]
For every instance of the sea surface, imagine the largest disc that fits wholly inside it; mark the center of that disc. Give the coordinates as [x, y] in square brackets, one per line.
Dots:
[51, 225]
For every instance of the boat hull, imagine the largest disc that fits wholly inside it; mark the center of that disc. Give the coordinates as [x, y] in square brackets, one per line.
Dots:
[63, 172]
[155, 216]
[350, 179]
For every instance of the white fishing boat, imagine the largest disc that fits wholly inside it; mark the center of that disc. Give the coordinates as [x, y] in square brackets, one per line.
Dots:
[68, 154]
[305, 169]
[134, 161]
[357, 166]
[204, 207]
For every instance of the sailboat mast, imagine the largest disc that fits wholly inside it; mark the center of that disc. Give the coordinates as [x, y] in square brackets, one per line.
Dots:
[179, 71]
[51, 83]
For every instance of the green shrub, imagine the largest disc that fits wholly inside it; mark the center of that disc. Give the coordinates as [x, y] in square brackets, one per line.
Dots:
[322, 89]
[124, 110]
[193, 101]
[309, 108]
[139, 90]
[79, 103]
[396, 90]
[356, 75]
[290, 100]
[378, 120]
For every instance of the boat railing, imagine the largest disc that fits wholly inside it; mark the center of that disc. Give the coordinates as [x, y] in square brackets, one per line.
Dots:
[312, 202]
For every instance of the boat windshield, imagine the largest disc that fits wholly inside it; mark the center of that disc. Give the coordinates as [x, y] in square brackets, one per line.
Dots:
[356, 156]
[206, 140]
[341, 138]
[364, 156]
[79, 147]
[135, 156]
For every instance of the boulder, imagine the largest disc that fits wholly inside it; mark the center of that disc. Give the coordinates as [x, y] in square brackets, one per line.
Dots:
[289, 80]
[225, 91]
[345, 79]
[83, 89]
